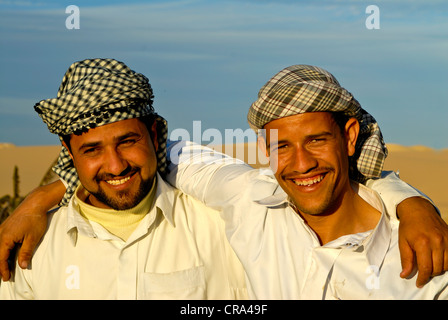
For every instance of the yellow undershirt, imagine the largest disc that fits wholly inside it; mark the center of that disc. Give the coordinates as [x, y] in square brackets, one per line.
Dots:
[120, 223]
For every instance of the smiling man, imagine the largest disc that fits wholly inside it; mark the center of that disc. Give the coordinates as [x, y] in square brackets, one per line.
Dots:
[310, 229]
[282, 229]
[312, 154]
[111, 182]
[125, 234]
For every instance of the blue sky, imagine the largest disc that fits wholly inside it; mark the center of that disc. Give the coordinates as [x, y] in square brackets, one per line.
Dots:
[206, 60]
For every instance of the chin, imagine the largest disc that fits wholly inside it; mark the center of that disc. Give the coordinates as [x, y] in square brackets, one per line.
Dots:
[312, 207]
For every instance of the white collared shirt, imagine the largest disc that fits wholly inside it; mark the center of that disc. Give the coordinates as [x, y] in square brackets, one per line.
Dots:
[178, 251]
[282, 256]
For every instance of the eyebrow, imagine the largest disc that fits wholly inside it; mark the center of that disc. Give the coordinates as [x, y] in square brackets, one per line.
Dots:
[307, 137]
[116, 139]
[319, 135]
[89, 145]
[127, 135]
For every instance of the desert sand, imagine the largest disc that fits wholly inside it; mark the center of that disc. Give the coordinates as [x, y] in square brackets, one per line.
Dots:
[424, 168]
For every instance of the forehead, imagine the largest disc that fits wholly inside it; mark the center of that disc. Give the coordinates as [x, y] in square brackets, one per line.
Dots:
[111, 131]
[306, 123]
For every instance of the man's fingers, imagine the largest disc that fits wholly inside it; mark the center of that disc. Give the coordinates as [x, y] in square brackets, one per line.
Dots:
[407, 259]
[424, 262]
[437, 263]
[4, 270]
[24, 258]
[26, 251]
[445, 261]
[5, 250]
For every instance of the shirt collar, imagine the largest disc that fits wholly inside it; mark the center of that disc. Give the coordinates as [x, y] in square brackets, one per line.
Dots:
[165, 195]
[278, 198]
[164, 202]
[375, 245]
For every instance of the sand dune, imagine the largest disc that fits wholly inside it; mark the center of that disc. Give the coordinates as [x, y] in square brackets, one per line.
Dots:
[32, 162]
[422, 167]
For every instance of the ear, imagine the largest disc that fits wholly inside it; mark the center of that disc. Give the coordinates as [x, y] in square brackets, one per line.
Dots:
[262, 145]
[153, 135]
[271, 156]
[351, 135]
[68, 149]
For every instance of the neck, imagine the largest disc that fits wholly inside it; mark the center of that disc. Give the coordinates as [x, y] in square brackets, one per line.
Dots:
[121, 223]
[352, 215]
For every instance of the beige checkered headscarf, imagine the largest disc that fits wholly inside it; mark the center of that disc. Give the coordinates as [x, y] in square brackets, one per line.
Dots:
[93, 93]
[302, 88]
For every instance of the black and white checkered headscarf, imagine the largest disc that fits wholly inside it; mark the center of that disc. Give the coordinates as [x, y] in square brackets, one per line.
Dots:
[302, 88]
[93, 93]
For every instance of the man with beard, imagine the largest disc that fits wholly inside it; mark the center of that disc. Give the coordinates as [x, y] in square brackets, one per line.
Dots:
[421, 229]
[125, 233]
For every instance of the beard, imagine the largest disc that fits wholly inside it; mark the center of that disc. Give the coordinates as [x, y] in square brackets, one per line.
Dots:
[124, 200]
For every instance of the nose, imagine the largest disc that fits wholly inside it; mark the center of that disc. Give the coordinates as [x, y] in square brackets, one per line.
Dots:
[114, 163]
[303, 160]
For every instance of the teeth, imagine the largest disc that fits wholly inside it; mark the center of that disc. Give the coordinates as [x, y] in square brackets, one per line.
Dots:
[118, 182]
[309, 181]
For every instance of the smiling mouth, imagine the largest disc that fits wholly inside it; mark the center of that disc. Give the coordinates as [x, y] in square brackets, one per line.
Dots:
[118, 181]
[309, 181]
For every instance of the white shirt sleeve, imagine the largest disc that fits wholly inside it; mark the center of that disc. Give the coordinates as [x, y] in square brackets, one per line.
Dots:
[212, 177]
[393, 190]
[215, 178]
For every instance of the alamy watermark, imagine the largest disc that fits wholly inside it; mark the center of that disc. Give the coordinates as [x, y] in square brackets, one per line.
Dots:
[373, 20]
[235, 143]
[72, 280]
[73, 21]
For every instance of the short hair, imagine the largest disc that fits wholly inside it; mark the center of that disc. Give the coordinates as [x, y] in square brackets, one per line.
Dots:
[341, 119]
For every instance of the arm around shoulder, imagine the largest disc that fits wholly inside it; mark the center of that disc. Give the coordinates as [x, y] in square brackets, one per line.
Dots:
[27, 224]
[212, 177]
[394, 192]
[423, 234]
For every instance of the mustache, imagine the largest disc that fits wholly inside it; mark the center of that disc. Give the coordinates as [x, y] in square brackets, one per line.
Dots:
[109, 176]
[315, 171]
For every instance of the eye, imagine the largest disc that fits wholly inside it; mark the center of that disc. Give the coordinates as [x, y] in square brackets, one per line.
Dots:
[91, 152]
[280, 148]
[317, 140]
[127, 142]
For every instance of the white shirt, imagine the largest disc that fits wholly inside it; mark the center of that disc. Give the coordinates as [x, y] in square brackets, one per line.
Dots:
[282, 256]
[178, 251]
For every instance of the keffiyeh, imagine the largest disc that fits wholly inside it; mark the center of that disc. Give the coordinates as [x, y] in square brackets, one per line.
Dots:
[302, 88]
[96, 92]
